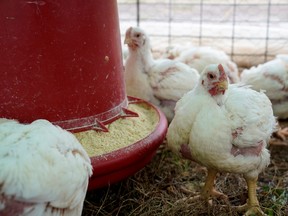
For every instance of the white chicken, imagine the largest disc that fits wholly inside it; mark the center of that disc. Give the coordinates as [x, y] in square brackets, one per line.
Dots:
[161, 82]
[44, 170]
[225, 128]
[273, 78]
[200, 57]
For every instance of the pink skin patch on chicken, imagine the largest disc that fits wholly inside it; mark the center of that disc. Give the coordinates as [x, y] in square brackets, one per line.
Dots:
[238, 131]
[12, 207]
[186, 152]
[248, 151]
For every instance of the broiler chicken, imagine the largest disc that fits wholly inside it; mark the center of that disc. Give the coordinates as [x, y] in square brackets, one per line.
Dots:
[200, 57]
[226, 128]
[161, 82]
[273, 78]
[44, 170]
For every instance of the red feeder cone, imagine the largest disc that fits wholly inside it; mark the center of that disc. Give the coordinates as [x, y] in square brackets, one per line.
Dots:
[61, 61]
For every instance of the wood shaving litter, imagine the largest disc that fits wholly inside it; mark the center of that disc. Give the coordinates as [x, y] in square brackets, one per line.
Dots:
[122, 132]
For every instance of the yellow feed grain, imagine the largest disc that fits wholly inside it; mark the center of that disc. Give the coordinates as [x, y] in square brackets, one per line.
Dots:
[122, 132]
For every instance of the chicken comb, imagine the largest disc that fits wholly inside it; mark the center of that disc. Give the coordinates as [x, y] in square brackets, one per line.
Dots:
[223, 75]
[220, 68]
[128, 32]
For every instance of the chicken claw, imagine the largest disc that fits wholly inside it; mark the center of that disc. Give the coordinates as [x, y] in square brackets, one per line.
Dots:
[208, 190]
[255, 210]
[250, 210]
[213, 193]
[282, 133]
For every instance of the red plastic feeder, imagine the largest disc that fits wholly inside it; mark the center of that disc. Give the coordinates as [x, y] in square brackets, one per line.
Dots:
[61, 61]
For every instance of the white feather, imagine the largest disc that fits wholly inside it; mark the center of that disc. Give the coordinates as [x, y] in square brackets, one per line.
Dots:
[273, 78]
[200, 57]
[207, 127]
[44, 167]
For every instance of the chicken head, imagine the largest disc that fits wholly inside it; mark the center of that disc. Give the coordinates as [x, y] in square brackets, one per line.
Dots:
[215, 79]
[135, 38]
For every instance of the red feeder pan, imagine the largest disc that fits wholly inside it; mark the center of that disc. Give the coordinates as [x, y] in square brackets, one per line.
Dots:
[117, 165]
[61, 61]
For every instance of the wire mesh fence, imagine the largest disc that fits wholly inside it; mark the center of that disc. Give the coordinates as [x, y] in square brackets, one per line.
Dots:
[250, 31]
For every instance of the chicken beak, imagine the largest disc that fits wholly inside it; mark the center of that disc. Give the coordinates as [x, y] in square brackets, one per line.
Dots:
[222, 85]
[127, 41]
[131, 44]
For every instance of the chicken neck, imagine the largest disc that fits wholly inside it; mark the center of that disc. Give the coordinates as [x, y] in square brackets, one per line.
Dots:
[146, 58]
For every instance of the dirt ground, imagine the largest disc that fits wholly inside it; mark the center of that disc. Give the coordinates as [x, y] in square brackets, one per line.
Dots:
[158, 189]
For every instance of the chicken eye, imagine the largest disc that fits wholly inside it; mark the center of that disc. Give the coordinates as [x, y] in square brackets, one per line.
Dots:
[211, 76]
[138, 35]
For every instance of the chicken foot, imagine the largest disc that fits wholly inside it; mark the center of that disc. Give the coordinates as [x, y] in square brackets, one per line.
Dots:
[252, 206]
[282, 133]
[208, 190]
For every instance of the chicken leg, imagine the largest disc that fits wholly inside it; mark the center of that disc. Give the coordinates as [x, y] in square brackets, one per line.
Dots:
[209, 189]
[252, 206]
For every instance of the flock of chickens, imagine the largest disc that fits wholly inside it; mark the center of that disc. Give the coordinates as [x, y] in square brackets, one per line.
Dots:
[216, 119]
